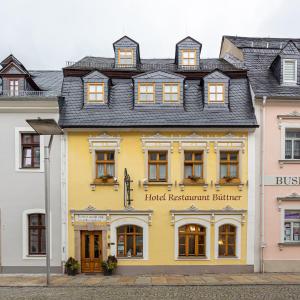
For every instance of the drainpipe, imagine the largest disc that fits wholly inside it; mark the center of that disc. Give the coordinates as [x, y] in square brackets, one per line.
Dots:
[262, 186]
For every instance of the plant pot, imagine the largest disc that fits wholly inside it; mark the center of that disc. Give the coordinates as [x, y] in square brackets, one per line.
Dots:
[107, 272]
[71, 272]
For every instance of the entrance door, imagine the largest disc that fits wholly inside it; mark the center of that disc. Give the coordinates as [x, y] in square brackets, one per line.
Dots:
[91, 251]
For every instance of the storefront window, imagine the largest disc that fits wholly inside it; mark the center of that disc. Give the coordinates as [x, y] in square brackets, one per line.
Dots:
[292, 226]
[227, 240]
[130, 241]
[192, 240]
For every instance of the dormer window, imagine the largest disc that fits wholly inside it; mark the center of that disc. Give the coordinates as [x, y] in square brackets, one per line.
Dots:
[171, 92]
[188, 57]
[146, 93]
[290, 71]
[125, 57]
[216, 93]
[14, 87]
[95, 93]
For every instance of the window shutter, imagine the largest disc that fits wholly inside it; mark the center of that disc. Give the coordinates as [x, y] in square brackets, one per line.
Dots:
[289, 71]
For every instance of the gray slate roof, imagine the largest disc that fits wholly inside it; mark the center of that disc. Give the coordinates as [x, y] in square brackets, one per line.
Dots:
[259, 53]
[104, 63]
[48, 80]
[120, 111]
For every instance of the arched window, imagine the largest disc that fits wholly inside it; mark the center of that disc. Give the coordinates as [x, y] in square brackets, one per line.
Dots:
[130, 241]
[192, 240]
[36, 234]
[227, 240]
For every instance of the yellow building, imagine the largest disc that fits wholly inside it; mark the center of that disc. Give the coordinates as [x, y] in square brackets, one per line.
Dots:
[158, 165]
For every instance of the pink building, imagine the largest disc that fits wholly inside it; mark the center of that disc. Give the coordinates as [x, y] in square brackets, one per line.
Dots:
[274, 73]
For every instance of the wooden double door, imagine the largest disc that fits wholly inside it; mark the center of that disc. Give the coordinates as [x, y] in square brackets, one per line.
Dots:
[91, 251]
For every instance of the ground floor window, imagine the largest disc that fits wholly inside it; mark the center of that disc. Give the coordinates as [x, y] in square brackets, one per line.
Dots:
[129, 241]
[227, 240]
[292, 226]
[192, 240]
[36, 234]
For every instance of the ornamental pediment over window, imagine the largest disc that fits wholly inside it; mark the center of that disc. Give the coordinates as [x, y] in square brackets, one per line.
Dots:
[104, 141]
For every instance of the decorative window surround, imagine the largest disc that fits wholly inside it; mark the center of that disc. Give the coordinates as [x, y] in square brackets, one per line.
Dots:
[101, 143]
[287, 81]
[25, 234]
[283, 126]
[209, 218]
[291, 197]
[160, 142]
[18, 151]
[237, 221]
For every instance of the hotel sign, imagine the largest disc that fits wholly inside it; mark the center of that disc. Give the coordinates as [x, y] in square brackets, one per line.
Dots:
[282, 180]
[184, 197]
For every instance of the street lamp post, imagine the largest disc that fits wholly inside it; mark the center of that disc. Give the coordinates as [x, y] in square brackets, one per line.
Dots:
[51, 128]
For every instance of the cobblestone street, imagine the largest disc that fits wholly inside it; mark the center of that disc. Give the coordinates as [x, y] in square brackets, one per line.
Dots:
[241, 292]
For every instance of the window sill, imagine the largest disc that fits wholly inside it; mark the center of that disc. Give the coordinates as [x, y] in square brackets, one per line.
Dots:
[157, 183]
[191, 258]
[189, 183]
[223, 184]
[288, 244]
[130, 258]
[227, 257]
[115, 184]
[288, 162]
[34, 257]
[30, 170]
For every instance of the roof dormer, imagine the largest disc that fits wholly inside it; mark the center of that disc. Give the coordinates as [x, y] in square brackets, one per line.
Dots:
[285, 66]
[187, 55]
[216, 88]
[127, 53]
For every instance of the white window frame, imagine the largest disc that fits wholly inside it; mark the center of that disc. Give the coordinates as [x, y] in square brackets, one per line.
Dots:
[293, 140]
[296, 67]
[283, 128]
[232, 220]
[282, 221]
[25, 234]
[141, 221]
[203, 220]
[18, 151]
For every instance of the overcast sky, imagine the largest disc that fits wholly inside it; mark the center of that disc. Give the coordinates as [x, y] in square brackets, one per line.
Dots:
[44, 34]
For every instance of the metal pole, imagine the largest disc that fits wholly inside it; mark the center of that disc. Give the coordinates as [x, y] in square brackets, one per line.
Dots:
[47, 206]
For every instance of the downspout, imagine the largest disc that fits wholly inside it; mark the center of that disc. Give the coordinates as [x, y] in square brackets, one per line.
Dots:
[262, 185]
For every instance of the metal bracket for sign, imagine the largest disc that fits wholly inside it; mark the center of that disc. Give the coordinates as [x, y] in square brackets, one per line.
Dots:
[127, 189]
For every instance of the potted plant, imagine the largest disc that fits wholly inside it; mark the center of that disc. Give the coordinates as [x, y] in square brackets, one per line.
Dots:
[194, 178]
[105, 178]
[109, 265]
[72, 266]
[227, 178]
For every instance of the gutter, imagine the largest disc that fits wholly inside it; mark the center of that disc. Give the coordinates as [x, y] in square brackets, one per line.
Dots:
[262, 186]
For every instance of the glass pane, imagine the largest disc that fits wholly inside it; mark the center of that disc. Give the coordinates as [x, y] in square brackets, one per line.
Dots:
[42, 219]
[162, 171]
[181, 239]
[143, 89]
[99, 97]
[121, 245]
[233, 156]
[223, 171]
[162, 156]
[289, 214]
[231, 251]
[231, 239]
[139, 245]
[99, 88]
[288, 149]
[182, 229]
[296, 149]
[152, 156]
[92, 88]
[87, 246]
[231, 228]
[296, 231]
[26, 138]
[287, 231]
[181, 249]
[36, 139]
[34, 220]
[129, 246]
[222, 228]
[222, 250]
[212, 89]
[110, 170]
[188, 169]
[201, 250]
[185, 61]
[121, 229]
[185, 54]
[110, 156]
[188, 155]
[223, 155]
[191, 244]
[43, 241]
[201, 239]
[36, 161]
[96, 246]
[198, 156]
[100, 155]
[100, 170]
[219, 89]
[168, 97]
[130, 229]
[198, 170]
[219, 97]
[233, 171]
[152, 172]
[139, 229]
[92, 97]
[167, 88]
[150, 88]
[33, 236]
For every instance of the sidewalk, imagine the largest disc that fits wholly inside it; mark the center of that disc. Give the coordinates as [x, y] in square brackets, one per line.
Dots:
[157, 280]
